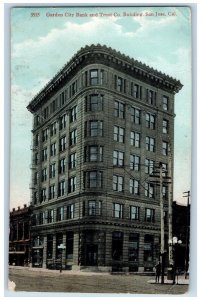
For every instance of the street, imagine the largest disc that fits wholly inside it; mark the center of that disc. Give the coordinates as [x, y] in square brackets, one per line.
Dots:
[42, 280]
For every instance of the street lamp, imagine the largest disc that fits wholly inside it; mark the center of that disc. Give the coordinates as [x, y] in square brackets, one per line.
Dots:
[61, 247]
[174, 243]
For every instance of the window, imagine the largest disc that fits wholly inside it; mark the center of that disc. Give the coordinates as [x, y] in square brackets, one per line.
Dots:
[62, 122]
[41, 218]
[73, 114]
[134, 187]
[149, 215]
[91, 207]
[50, 216]
[52, 170]
[117, 245]
[118, 183]
[94, 77]
[53, 106]
[36, 140]
[94, 153]
[59, 241]
[119, 109]
[165, 192]
[117, 210]
[135, 115]
[134, 212]
[150, 121]
[165, 126]
[95, 102]
[96, 128]
[72, 184]
[150, 144]
[61, 188]
[45, 135]
[72, 160]
[118, 158]
[149, 166]
[135, 139]
[165, 103]
[36, 120]
[49, 246]
[35, 177]
[119, 134]
[69, 243]
[101, 77]
[36, 158]
[119, 84]
[35, 197]
[60, 213]
[70, 211]
[44, 175]
[165, 148]
[136, 90]
[62, 163]
[133, 247]
[45, 112]
[165, 169]
[93, 179]
[149, 190]
[52, 192]
[53, 149]
[62, 99]
[148, 248]
[53, 128]
[74, 88]
[62, 143]
[43, 194]
[73, 137]
[151, 97]
[134, 162]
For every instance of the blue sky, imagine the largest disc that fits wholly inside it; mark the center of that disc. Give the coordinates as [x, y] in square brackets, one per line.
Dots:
[40, 46]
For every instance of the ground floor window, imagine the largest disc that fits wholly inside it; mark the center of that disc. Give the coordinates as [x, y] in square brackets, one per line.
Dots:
[49, 246]
[133, 247]
[69, 245]
[59, 241]
[117, 245]
[148, 248]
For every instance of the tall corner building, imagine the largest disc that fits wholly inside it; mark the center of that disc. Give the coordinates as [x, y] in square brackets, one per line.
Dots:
[100, 128]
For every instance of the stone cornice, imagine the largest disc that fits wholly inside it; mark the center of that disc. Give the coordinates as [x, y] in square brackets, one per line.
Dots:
[109, 56]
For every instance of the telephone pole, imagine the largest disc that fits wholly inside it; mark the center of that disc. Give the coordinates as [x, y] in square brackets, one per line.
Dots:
[187, 232]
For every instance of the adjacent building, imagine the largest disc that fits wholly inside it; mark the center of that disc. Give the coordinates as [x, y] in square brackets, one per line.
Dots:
[19, 236]
[100, 128]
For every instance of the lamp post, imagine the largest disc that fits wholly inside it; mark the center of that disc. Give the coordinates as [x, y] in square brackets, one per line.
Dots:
[61, 247]
[174, 243]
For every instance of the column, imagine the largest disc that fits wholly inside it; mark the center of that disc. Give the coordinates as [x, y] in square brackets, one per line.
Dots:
[125, 252]
[141, 253]
[64, 252]
[108, 249]
[45, 252]
[54, 248]
[75, 251]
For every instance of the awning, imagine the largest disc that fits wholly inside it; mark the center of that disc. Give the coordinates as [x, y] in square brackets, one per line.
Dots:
[16, 252]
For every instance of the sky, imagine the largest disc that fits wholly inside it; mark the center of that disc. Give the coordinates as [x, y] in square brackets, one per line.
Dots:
[42, 44]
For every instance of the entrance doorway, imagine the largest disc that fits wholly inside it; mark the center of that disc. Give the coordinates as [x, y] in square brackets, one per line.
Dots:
[92, 255]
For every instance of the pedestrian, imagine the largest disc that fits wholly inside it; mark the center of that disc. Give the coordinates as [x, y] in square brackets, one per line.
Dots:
[158, 271]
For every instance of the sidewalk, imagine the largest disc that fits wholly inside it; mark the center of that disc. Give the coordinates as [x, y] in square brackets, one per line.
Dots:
[181, 281]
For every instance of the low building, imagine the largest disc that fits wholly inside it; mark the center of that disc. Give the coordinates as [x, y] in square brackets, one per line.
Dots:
[19, 237]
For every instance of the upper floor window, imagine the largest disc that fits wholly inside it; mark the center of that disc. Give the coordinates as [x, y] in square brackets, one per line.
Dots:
[62, 164]
[53, 128]
[53, 149]
[165, 192]
[93, 77]
[151, 97]
[46, 112]
[165, 100]
[60, 213]
[43, 194]
[119, 84]
[52, 191]
[135, 90]
[94, 207]
[41, 218]
[95, 102]
[135, 139]
[135, 115]
[62, 98]
[149, 166]
[119, 134]
[74, 88]
[165, 148]
[164, 169]
[36, 158]
[150, 144]
[73, 137]
[94, 153]
[93, 179]
[44, 154]
[165, 126]
[45, 134]
[134, 212]
[96, 128]
[62, 122]
[52, 170]
[70, 211]
[118, 183]
[118, 158]
[119, 109]
[53, 106]
[117, 210]
[150, 121]
[134, 162]
[72, 160]
[50, 216]
[134, 187]
[73, 113]
[72, 184]
[61, 188]
[149, 190]
[149, 215]
[36, 140]
[62, 143]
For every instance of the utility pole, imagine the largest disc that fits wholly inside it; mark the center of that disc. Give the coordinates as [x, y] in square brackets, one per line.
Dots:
[187, 232]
